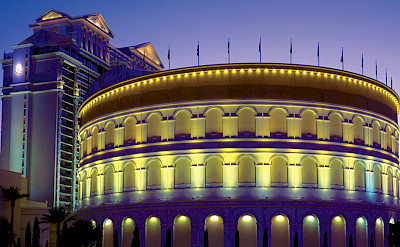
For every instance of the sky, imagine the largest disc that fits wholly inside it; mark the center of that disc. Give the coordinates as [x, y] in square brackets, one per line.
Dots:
[359, 26]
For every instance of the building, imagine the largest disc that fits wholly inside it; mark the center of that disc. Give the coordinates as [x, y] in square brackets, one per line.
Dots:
[278, 151]
[45, 79]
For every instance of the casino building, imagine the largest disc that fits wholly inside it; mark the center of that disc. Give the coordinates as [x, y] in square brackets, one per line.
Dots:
[45, 79]
[274, 152]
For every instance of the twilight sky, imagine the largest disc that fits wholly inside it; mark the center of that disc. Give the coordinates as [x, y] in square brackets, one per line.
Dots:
[360, 26]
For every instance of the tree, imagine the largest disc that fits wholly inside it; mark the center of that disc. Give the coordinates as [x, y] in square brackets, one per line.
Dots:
[351, 240]
[12, 194]
[57, 216]
[296, 240]
[393, 238]
[28, 235]
[136, 237]
[325, 243]
[81, 233]
[36, 233]
[265, 238]
[6, 234]
[206, 238]
[371, 240]
[237, 238]
[168, 238]
[116, 238]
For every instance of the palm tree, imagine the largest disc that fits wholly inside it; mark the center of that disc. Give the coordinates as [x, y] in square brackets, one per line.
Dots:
[12, 194]
[57, 216]
[6, 234]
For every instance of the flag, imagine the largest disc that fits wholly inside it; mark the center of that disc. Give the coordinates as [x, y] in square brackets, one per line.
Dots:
[259, 46]
[341, 59]
[228, 46]
[169, 53]
[291, 47]
[318, 50]
[376, 70]
[198, 48]
[391, 82]
[362, 60]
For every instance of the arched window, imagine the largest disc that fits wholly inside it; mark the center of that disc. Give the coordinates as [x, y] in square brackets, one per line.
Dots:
[309, 171]
[311, 231]
[95, 139]
[246, 122]
[153, 232]
[247, 170]
[377, 178]
[108, 233]
[83, 180]
[215, 229]
[278, 123]
[154, 174]
[93, 181]
[280, 236]
[335, 127]
[128, 226]
[154, 128]
[247, 227]
[109, 179]
[214, 171]
[361, 232]
[214, 123]
[129, 131]
[182, 125]
[182, 173]
[308, 125]
[110, 135]
[279, 170]
[336, 173]
[84, 145]
[182, 231]
[389, 138]
[376, 135]
[390, 181]
[358, 130]
[379, 232]
[338, 230]
[129, 176]
[359, 175]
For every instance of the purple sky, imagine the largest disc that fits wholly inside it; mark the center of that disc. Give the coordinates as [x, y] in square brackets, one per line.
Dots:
[360, 26]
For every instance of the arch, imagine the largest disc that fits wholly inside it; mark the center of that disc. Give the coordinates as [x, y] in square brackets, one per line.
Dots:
[84, 145]
[377, 177]
[129, 175]
[182, 124]
[128, 226]
[280, 236]
[110, 134]
[308, 123]
[95, 139]
[376, 134]
[336, 172]
[214, 121]
[379, 232]
[182, 231]
[247, 227]
[390, 180]
[214, 171]
[247, 170]
[309, 171]
[129, 130]
[278, 121]
[153, 232]
[108, 233]
[279, 170]
[388, 138]
[358, 129]
[361, 232]
[359, 175]
[215, 227]
[154, 173]
[154, 127]
[84, 185]
[109, 178]
[93, 181]
[182, 172]
[311, 231]
[246, 120]
[338, 230]
[335, 126]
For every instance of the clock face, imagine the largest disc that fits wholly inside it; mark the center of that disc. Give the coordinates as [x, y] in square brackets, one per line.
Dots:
[18, 69]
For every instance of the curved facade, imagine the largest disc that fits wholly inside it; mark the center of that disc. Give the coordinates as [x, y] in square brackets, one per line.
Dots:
[284, 152]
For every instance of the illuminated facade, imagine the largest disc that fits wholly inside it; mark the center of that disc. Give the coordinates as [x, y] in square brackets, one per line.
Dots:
[289, 151]
[45, 79]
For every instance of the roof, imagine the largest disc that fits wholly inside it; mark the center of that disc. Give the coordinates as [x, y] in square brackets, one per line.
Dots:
[44, 38]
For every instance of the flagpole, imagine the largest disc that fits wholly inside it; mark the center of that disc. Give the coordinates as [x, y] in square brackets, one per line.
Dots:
[291, 50]
[198, 53]
[259, 49]
[391, 82]
[229, 54]
[169, 57]
[342, 60]
[362, 63]
[318, 54]
[376, 70]
[386, 76]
